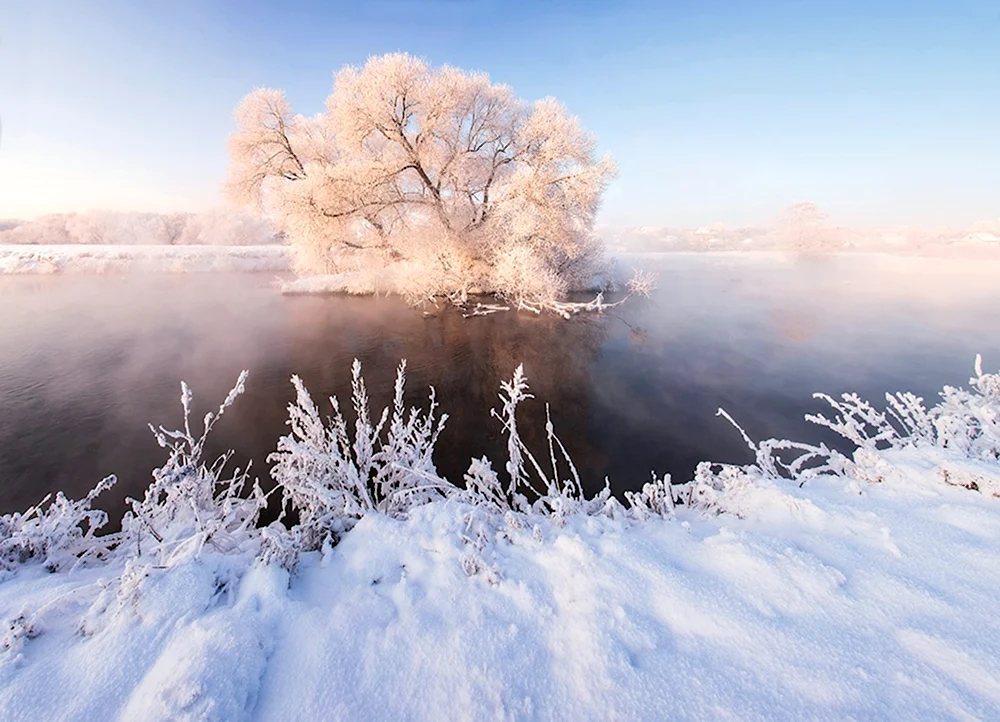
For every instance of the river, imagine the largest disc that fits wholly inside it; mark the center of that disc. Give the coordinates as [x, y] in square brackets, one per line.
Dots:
[87, 361]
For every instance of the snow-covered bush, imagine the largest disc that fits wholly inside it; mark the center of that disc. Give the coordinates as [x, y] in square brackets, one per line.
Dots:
[721, 487]
[530, 488]
[964, 422]
[959, 438]
[57, 532]
[332, 480]
[331, 476]
[656, 498]
[189, 504]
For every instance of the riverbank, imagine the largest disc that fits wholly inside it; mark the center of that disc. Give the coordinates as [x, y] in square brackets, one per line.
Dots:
[823, 604]
[96, 259]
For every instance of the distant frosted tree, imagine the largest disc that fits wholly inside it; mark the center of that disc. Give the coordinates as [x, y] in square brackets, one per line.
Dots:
[225, 227]
[804, 228]
[991, 227]
[437, 169]
[49, 228]
[121, 228]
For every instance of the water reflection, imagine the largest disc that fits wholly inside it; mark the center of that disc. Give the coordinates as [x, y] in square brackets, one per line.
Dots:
[85, 362]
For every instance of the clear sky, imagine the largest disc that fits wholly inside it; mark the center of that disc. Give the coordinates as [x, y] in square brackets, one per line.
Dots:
[879, 111]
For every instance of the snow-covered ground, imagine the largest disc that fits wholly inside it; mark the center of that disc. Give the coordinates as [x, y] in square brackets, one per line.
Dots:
[858, 586]
[332, 283]
[825, 605]
[158, 259]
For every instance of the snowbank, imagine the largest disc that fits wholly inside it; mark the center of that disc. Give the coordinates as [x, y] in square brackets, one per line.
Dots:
[330, 284]
[402, 279]
[158, 259]
[807, 585]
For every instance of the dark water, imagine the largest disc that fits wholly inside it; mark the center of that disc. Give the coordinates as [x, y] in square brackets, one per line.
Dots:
[86, 362]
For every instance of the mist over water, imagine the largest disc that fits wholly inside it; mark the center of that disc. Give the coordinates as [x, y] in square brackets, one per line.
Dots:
[87, 361]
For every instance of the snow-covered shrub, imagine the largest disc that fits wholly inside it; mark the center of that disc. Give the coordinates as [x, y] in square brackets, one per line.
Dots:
[531, 489]
[332, 480]
[801, 461]
[744, 492]
[959, 438]
[715, 486]
[189, 504]
[59, 534]
[655, 499]
[331, 476]
[966, 422]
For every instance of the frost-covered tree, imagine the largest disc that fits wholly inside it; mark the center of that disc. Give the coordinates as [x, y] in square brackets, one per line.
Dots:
[225, 227]
[441, 172]
[50, 228]
[805, 229]
[120, 228]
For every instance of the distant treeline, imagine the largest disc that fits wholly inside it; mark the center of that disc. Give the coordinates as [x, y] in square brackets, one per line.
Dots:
[803, 228]
[218, 226]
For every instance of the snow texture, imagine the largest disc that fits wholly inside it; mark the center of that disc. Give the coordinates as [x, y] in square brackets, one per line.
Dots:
[158, 259]
[809, 584]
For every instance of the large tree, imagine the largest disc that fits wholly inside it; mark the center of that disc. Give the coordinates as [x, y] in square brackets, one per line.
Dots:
[436, 171]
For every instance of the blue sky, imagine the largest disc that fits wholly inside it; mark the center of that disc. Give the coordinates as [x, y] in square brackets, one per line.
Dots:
[881, 112]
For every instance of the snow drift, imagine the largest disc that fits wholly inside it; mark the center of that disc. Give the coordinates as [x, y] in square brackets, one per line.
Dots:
[808, 584]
